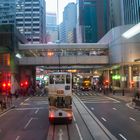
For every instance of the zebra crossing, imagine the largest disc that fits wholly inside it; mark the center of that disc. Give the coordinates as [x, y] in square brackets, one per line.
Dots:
[41, 95]
[93, 97]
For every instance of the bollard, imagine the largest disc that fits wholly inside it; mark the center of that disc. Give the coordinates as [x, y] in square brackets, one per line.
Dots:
[113, 92]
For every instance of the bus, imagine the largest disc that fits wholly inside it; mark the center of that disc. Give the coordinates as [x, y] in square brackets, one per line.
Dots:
[86, 84]
[60, 97]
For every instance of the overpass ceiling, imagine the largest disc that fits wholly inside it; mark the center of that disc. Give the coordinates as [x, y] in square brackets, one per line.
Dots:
[95, 67]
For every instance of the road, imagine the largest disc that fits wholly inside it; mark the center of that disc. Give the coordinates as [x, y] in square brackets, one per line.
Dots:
[123, 122]
[93, 113]
[28, 121]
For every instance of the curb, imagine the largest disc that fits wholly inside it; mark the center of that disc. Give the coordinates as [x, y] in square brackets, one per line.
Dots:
[99, 126]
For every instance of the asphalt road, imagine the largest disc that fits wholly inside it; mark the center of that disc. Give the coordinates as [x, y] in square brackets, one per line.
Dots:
[123, 122]
[28, 121]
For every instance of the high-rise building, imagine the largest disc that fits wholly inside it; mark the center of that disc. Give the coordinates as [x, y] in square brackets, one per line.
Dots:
[7, 11]
[62, 32]
[30, 19]
[131, 11]
[93, 20]
[116, 12]
[123, 12]
[69, 23]
[51, 27]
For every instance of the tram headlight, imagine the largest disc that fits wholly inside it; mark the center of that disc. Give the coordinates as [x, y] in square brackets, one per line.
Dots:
[51, 115]
[69, 114]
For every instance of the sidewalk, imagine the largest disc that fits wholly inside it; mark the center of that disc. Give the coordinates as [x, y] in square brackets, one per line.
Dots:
[127, 97]
[10, 105]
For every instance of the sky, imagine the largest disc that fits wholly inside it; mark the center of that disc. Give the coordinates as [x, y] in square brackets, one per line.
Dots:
[51, 6]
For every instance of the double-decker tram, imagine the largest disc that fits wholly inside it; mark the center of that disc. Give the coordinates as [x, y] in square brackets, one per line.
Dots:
[60, 97]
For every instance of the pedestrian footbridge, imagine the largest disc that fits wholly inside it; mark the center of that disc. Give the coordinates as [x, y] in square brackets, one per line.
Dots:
[71, 54]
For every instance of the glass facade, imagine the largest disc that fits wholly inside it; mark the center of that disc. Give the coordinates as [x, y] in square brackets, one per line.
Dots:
[93, 21]
[90, 22]
[131, 11]
[7, 11]
[30, 19]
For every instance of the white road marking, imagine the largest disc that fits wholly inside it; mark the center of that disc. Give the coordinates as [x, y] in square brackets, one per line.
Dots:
[27, 99]
[77, 128]
[79, 132]
[28, 123]
[17, 138]
[122, 136]
[103, 119]
[60, 134]
[92, 108]
[4, 113]
[113, 99]
[35, 108]
[98, 102]
[36, 111]
[114, 108]
[74, 118]
[21, 103]
[128, 105]
[132, 119]
[25, 104]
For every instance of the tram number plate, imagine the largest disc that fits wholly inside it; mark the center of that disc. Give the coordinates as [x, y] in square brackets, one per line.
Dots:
[60, 91]
[60, 113]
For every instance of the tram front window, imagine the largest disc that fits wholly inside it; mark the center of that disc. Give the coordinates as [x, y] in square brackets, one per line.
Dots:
[59, 79]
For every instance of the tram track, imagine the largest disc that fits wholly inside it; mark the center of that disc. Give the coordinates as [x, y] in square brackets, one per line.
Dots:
[83, 121]
[85, 126]
[59, 132]
[105, 132]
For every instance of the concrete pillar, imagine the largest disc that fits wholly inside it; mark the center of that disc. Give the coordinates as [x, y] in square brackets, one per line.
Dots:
[129, 76]
[28, 73]
[122, 77]
[14, 73]
[14, 83]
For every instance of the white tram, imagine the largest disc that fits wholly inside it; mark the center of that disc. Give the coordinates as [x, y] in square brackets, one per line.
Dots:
[60, 97]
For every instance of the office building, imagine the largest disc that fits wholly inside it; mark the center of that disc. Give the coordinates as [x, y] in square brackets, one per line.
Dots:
[7, 11]
[30, 19]
[92, 20]
[51, 27]
[69, 23]
[123, 12]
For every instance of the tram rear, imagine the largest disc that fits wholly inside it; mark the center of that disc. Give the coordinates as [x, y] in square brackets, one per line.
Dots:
[60, 97]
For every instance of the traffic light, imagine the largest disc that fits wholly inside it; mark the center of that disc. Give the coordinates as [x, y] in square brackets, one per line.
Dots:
[106, 82]
[6, 86]
[24, 84]
[132, 83]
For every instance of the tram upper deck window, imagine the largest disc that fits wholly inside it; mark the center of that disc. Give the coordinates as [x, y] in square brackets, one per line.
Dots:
[59, 79]
[68, 79]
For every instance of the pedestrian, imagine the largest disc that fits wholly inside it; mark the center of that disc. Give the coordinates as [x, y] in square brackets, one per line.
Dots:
[17, 93]
[136, 93]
